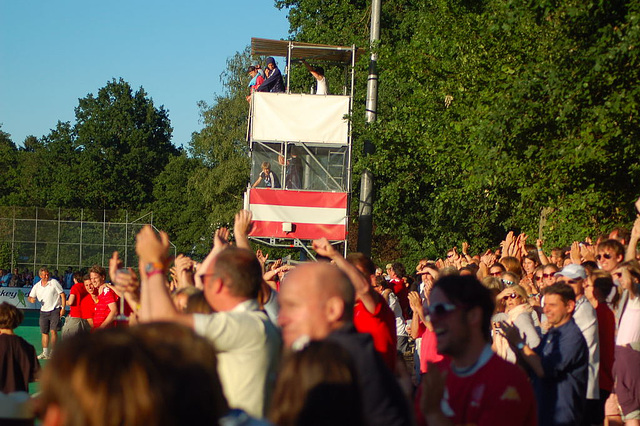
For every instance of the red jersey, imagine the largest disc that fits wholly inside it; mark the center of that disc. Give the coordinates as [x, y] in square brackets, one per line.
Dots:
[80, 292]
[498, 393]
[381, 325]
[607, 339]
[88, 307]
[402, 292]
[106, 297]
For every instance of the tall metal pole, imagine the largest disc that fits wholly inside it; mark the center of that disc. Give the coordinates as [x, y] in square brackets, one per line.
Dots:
[365, 213]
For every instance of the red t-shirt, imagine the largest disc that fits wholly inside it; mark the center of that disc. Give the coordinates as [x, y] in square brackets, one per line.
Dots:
[88, 307]
[428, 349]
[402, 292]
[80, 292]
[106, 297]
[381, 325]
[606, 336]
[496, 394]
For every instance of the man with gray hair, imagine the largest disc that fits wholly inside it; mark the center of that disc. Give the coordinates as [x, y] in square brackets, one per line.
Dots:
[53, 300]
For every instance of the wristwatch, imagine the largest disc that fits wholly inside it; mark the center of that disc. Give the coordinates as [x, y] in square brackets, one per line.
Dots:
[153, 266]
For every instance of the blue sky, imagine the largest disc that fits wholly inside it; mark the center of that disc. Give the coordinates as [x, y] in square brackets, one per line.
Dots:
[54, 52]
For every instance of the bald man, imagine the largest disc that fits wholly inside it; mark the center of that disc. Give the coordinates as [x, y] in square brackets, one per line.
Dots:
[316, 302]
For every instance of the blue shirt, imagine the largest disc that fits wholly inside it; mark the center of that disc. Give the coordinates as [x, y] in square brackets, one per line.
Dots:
[562, 392]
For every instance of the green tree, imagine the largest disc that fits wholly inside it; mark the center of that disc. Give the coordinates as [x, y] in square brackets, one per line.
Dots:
[490, 112]
[8, 164]
[180, 208]
[221, 146]
[107, 159]
[123, 142]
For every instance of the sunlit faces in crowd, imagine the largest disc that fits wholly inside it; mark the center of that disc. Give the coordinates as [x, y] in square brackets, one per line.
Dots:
[548, 276]
[449, 323]
[557, 257]
[513, 296]
[610, 254]
[96, 279]
[88, 285]
[496, 270]
[559, 304]
[529, 265]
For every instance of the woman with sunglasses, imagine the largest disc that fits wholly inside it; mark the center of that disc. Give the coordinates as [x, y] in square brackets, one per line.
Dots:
[517, 312]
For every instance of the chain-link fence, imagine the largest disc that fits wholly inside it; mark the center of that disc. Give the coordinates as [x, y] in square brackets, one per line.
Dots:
[33, 237]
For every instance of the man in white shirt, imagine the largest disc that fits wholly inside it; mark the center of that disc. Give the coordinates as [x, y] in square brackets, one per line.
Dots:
[247, 343]
[322, 88]
[50, 294]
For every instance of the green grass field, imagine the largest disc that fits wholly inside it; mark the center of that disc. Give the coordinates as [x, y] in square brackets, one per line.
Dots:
[30, 331]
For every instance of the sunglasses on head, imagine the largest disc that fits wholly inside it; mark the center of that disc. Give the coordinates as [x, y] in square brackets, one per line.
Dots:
[606, 256]
[510, 296]
[441, 309]
[507, 283]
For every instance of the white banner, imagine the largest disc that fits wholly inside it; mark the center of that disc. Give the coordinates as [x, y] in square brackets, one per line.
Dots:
[300, 118]
[18, 296]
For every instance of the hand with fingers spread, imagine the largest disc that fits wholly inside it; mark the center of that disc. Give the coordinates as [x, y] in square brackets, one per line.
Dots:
[262, 258]
[220, 239]
[575, 253]
[587, 252]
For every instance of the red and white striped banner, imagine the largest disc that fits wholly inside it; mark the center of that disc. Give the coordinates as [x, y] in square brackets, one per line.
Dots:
[312, 214]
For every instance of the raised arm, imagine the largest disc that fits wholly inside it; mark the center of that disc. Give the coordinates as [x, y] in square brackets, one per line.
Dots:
[360, 283]
[156, 305]
[543, 258]
[633, 241]
[311, 70]
[241, 228]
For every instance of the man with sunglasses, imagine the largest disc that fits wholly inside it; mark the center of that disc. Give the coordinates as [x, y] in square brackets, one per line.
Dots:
[587, 321]
[610, 255]
[477, 387]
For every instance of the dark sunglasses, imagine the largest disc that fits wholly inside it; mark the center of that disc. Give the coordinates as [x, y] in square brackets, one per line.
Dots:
[510, 296]
[606, 256]
[548, 275]
[441, 309]
[538, 277]
[508, 283]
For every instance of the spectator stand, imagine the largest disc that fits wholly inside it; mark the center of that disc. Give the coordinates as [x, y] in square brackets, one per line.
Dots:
[307, 141]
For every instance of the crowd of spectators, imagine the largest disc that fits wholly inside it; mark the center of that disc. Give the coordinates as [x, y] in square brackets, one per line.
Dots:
[520, 334]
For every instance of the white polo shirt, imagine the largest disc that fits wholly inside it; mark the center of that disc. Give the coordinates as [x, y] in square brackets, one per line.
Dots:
[248, 346]
[48, 295]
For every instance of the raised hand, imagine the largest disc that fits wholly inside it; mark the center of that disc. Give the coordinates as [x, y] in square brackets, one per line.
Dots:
[324, 248]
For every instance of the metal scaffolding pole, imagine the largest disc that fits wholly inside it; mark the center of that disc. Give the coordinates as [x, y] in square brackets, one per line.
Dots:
[365, 214]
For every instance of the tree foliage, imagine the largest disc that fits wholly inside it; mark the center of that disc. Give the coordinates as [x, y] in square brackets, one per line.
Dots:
[107, 159]
[491, 113]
